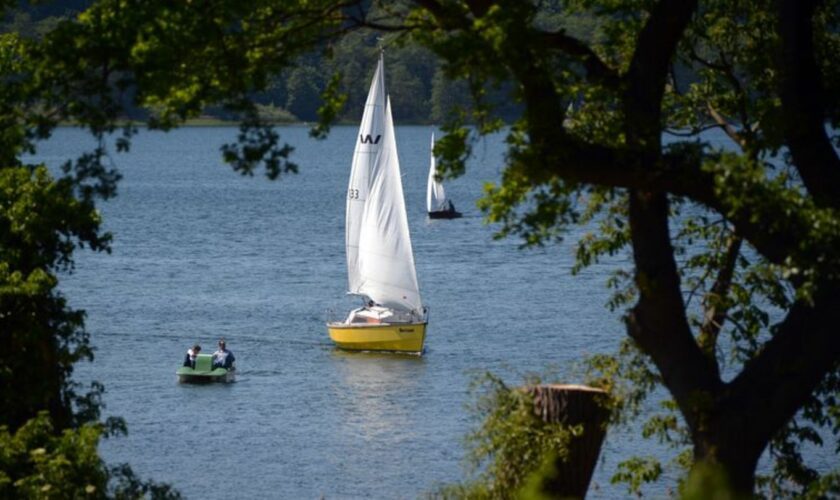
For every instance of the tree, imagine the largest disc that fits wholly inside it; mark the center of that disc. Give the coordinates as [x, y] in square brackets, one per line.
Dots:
[769, 220]
[40, 220]
[447, 97]
[93, 70]
[304, 88]
[90, 70]
[49, 428]
[409, 75]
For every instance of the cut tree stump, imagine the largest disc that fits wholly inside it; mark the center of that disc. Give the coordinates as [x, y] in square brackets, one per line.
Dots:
[573, 405]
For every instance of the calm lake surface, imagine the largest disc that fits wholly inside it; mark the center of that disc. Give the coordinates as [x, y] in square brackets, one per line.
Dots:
[201, 253]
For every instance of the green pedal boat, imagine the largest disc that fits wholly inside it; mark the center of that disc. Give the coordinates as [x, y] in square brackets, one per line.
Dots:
[204, 373]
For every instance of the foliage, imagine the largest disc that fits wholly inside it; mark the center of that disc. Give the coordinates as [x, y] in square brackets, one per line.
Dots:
[752, 239]
[304, 86]
[52, 452]
[419, 88]
[707, 481]
[37, 462]
[512, 449]
[636, 471]
[41, 224]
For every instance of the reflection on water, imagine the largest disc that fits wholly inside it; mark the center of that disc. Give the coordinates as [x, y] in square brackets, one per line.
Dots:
[371, 391]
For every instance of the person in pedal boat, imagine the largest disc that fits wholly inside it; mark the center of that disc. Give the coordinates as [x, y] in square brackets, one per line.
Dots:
[223, 358]
[189, 359]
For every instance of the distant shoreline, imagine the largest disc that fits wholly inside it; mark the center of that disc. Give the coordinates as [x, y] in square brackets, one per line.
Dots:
[193, 122]
[218, 122]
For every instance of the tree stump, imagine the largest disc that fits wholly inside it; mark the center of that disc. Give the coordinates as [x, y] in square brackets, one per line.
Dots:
[573, 405]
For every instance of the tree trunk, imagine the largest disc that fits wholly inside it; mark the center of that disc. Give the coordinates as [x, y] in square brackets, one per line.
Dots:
[573, 405]
[722, 469]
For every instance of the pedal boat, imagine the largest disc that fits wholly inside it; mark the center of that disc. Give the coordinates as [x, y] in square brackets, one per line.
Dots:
[204, 373]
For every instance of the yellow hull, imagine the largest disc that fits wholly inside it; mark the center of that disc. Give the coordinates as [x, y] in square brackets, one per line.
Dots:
[397, 337]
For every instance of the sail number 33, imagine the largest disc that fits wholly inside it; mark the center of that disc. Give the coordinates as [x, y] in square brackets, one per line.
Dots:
[353, 194]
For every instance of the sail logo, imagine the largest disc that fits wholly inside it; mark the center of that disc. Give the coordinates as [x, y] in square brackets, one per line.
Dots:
[367, 139]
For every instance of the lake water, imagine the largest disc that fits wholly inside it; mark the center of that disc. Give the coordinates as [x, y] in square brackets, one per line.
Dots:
[201, 253]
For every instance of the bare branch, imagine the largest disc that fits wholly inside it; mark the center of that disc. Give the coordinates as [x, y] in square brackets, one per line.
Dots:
[716, 305]
[693, 132]
[726, 126]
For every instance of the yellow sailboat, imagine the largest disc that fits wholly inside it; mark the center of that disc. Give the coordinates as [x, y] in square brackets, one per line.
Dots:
[380, 262]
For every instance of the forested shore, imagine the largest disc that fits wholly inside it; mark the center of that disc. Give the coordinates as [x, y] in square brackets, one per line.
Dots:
[420, 89]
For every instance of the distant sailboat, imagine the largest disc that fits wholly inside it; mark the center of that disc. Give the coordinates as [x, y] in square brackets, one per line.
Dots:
[380, 262]
[437, 205]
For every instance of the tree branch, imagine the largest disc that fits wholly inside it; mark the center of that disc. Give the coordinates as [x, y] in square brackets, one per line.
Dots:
[446, 17]
[731, 76]
[779, 380]
[479, 7]
[802, 103]
[692, 132]
[658, 322]
[716, 305]
[678, 172]
[595, 67]
[648, 70]
[391, 28]
[726, 126]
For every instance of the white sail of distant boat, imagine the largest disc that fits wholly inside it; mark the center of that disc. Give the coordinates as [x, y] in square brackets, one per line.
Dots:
[438, 206]
[380, 261]
[435, 195]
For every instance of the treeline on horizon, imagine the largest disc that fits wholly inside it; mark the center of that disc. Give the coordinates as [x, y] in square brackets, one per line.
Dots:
[419, 89]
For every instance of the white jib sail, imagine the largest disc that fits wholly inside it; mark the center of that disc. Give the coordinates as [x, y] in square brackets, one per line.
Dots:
[368, 144]
[386, 262]
[435, 196]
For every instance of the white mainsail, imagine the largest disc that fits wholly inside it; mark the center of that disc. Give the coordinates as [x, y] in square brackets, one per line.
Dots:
[380, 262]
[367, 149]
[435, 196]
[385, 260]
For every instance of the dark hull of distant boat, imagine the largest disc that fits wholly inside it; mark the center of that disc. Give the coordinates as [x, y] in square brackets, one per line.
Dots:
[445, 214]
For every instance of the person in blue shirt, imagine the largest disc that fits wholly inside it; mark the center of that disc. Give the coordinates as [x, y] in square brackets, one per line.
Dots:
[223, 358]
